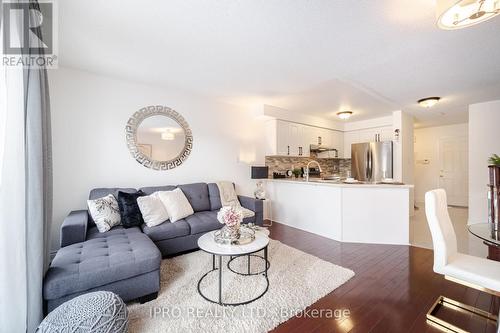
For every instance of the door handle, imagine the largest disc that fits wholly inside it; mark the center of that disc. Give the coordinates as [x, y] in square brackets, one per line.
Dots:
[367, 165]
[370, 163]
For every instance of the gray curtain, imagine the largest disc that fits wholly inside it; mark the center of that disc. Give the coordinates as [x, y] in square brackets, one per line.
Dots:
[28, 179]
[38, 187]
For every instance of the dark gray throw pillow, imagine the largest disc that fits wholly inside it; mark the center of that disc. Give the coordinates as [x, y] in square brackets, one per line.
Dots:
[129, 210]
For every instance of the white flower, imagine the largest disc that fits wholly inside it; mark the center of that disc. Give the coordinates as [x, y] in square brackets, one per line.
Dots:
[230, 216]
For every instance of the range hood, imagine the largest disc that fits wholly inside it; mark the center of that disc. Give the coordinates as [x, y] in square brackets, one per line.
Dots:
[320, 148]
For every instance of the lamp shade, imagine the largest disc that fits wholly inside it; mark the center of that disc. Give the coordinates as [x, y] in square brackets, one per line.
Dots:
[457, 14]
[260, 172]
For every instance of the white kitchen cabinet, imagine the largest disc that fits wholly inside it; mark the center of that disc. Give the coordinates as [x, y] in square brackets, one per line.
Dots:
[284, 138]
[365, 135]
[386, 133]
[277, 138]
[294, 139]
[304, 135]
[349, 139]
[338, 142]
[369, 135]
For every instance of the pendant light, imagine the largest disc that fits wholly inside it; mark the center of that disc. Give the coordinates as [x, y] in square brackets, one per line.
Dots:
[457, 14]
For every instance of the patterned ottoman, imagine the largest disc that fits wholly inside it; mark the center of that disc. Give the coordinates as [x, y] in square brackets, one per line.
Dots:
[100, 311]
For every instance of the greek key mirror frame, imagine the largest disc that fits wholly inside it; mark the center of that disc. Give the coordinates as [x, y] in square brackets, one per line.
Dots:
[131, 137]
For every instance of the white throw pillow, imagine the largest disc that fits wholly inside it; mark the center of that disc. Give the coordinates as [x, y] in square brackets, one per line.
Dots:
[104, 212]
[152, 209]
[176, 203]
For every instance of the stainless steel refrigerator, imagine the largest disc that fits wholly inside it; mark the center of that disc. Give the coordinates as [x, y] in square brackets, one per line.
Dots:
[371, 161]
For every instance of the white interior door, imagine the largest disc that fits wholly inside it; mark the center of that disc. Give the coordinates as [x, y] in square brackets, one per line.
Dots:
[453, 174]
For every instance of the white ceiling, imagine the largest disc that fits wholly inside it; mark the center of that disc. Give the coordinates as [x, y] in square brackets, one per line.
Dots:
[314, 57]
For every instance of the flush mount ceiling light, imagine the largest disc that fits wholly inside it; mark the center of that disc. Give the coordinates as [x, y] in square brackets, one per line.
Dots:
[344, 114]
[428, 102]
[457, 14]
[167, 135]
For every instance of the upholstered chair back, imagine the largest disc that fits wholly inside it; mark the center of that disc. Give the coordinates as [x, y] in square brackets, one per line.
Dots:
[444, 239]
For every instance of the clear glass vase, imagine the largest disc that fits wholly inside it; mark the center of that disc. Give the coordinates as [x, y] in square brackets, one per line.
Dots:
[232, 233]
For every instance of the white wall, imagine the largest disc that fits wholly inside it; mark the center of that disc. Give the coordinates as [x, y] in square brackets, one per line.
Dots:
[296, 117]
[484, 140]
[427, 148]
[404, 151]
[369, 123]
[89, 113]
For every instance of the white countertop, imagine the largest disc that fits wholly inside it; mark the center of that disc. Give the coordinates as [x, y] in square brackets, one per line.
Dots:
[318, 182]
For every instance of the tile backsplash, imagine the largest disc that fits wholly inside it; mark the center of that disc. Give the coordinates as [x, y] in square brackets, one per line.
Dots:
[329, 166]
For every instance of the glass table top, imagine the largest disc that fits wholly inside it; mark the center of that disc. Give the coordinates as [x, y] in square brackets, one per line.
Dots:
[485, 232]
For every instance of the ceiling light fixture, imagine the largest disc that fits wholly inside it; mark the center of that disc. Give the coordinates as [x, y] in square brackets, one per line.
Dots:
[344, 115]
[428, 102]
[457, 14]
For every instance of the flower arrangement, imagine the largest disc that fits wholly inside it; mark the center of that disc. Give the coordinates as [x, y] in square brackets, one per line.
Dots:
[230, 216]
[231, 233]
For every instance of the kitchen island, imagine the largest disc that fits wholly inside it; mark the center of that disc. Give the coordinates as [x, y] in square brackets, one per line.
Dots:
[364, 213]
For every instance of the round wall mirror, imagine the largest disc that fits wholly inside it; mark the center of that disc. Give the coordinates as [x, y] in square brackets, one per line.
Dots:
[159, 137]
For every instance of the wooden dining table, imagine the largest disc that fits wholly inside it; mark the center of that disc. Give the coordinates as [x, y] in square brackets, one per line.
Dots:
[490, 237]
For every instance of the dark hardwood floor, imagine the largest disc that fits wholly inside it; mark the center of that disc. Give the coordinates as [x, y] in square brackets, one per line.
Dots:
[392, 291]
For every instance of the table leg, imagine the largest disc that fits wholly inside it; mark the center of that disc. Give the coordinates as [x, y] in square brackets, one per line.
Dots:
[213, 262]
[248, 264]
[265, 261]
[220, 280]
[498, 322]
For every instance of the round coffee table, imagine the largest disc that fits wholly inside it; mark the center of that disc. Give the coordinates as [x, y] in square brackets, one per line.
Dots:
[208, 244]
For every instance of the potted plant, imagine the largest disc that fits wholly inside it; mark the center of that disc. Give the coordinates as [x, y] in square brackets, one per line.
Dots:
[494, 160]
[494, 169]
[297, 172]
[493, 190]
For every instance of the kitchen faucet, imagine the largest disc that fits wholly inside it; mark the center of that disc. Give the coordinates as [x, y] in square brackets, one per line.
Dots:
[307, 168]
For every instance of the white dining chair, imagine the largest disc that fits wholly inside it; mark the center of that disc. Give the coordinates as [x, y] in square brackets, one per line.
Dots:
[479, 273]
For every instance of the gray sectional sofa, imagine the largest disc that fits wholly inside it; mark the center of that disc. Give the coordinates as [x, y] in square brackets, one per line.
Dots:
[127, 261]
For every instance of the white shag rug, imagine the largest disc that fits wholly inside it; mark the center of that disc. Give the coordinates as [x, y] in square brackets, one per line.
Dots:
[296, 280]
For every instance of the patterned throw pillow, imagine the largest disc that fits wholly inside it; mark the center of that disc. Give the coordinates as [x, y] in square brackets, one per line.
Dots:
[104, 212]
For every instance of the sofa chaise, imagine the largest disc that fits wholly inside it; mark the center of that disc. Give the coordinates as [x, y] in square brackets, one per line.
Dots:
[127, 261]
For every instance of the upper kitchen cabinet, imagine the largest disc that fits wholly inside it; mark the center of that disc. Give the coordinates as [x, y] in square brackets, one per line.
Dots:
[365, 135]
[371, 134]
[329, 139]
[287, 139]
[350, 138]
[338, 142]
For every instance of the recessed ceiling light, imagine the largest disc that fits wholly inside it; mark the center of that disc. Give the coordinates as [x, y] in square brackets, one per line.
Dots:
[344, 114]
[457, 14]
[428, 102]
